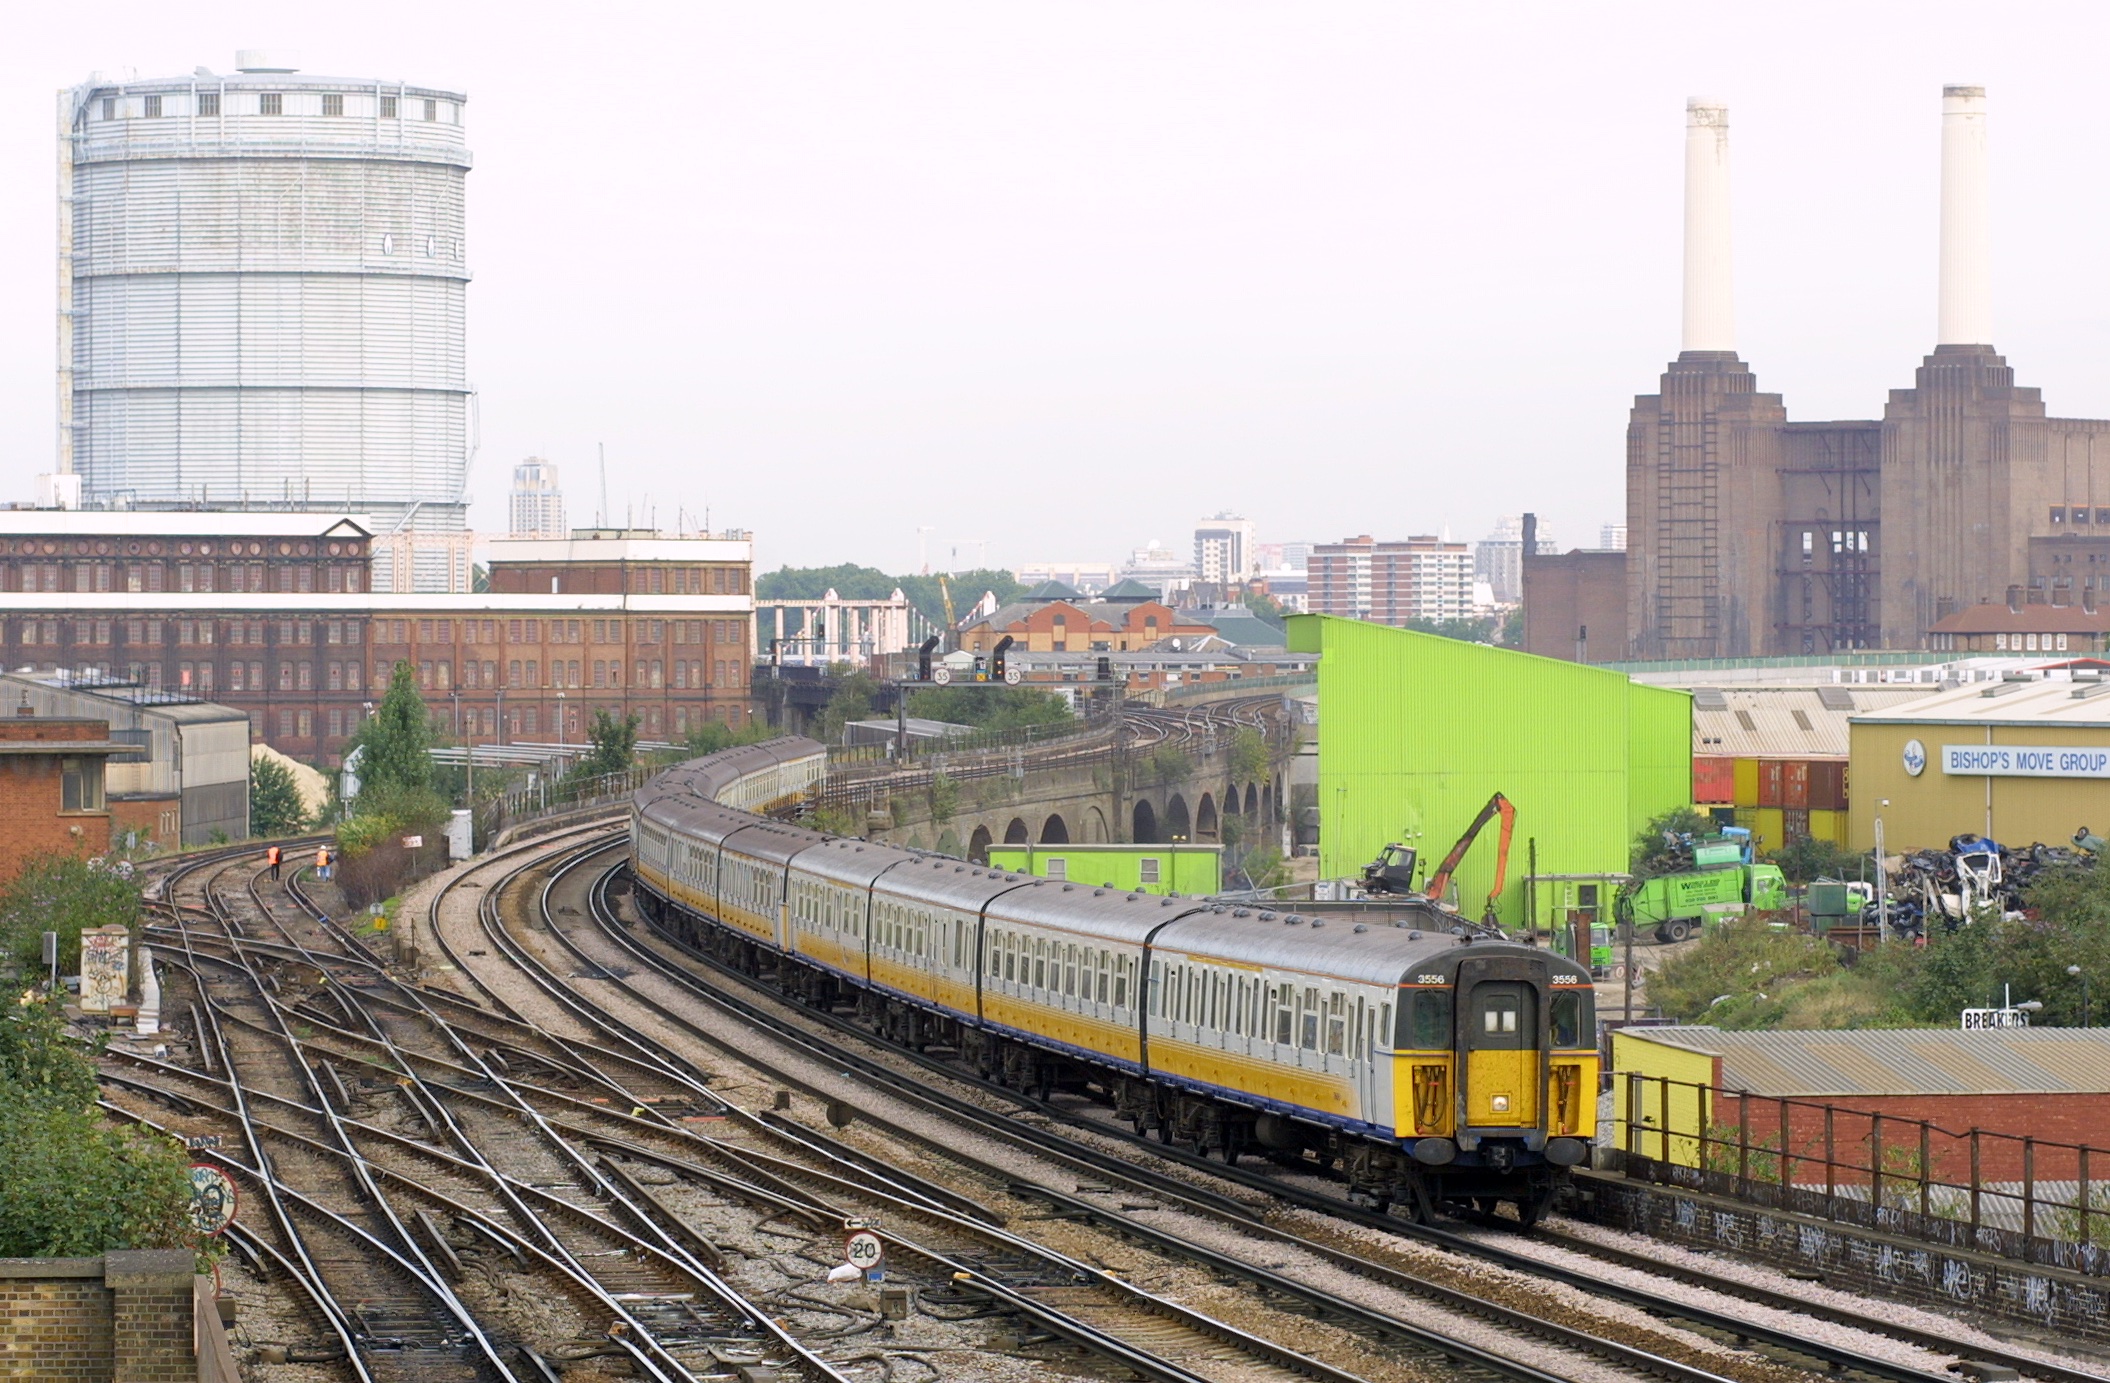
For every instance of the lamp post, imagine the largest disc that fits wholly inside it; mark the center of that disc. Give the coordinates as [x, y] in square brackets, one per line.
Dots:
[560, 725]
[2087, 1010]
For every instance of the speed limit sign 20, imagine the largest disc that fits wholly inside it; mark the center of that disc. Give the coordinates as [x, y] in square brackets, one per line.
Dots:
[864, 1251]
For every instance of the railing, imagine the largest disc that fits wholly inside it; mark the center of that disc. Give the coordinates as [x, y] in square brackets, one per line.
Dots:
[1024, 736]
[550, 796]
[2033, 1199]
[1240, 685]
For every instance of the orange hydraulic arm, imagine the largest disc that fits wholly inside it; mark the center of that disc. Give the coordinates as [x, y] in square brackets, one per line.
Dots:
[1440, 882]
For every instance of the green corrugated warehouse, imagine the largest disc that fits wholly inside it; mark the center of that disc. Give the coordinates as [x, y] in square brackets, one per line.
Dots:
[1416, 732]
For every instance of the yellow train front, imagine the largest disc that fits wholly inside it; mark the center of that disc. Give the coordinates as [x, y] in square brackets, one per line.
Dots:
[1440, 1069]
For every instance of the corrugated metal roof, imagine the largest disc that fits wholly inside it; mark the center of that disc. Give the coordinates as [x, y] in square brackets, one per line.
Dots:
[2050, 702]
[1902, 1061]
[1784, 722]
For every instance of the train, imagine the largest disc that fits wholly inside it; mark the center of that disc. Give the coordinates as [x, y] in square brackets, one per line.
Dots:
[1436, 1066]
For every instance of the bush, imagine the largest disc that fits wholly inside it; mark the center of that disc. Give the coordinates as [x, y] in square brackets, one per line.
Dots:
[1737, 974]
[70, 1184]
[1811, 858]
[1650, 855]
[373, 862]
[64, 893]
[990, 708]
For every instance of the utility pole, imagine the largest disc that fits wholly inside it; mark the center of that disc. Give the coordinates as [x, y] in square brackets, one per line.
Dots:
[602, 447]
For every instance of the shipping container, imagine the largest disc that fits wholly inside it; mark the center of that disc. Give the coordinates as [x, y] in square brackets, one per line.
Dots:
[1828, 785]
[1713, 781]
[1747, 817]
[1828, 826]
[1769, 776]
[1767, 830]
[1746, 783]
[1795, 784]
[1794, 824]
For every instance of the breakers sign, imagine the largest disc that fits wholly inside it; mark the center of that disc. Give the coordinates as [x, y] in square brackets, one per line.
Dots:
[2025, 761]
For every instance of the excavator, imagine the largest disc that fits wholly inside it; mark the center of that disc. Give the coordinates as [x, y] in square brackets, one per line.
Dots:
[1393, 869]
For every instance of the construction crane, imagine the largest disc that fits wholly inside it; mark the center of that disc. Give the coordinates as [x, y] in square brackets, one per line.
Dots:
[945, 592]
[1393, 869]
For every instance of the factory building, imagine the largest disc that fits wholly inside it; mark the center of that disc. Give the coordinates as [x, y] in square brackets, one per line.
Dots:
[1417, 732]
[183, 775]
[262, 304]
[275, 614]
[2021, 759]
[1751, 534]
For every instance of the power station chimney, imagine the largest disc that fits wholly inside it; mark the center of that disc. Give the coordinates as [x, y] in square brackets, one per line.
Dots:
[1710, 302]
[1966, 258]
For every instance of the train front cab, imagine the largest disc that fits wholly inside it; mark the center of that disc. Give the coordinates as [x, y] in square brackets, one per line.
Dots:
[1495, 1079]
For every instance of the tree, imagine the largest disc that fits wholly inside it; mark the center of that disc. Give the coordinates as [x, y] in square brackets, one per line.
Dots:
[275, 805]
[1811, 858]
[71, 1185]
[613, 746]
[1465, 630]
[990, 707]
[852, 700]
[1511, 634]
[713, 735]
[967, 588]
[1739, 974]
[1250, 759]
[64, 893]
[1265, 607]
[1650, 854]
[395, 744]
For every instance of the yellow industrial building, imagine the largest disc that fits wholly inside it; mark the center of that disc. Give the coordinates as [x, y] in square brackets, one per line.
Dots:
[2022, 759]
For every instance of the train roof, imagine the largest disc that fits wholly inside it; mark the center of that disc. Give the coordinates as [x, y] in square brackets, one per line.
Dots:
[702, 779]
[848, 860]
[954, 883]
[770, 841]
[1366, 952]
[1106, 913]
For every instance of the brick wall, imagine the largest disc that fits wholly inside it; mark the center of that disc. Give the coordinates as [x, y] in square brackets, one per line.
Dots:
[56, 1326]
[30, 822]
[2075, 1119]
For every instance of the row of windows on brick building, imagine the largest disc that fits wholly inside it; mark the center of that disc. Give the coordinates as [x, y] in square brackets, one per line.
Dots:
[526, 721]
[185, 577]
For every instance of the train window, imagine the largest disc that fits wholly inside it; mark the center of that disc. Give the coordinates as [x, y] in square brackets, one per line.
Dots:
[1337, 1025]
[1157, 988]
[1356, 1046]
[1425, 1021]
[1500, 1017]
[1040, 964]
[1308, 1031]
[1105, 963]
[1069, 971]
[1573, 1016]
[1284, 1001]
[1010, 956]
[1121, 982]
[959, 945]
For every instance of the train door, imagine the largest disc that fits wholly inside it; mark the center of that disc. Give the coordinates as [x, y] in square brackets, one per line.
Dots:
[1371, 1052]
[1502, 1054]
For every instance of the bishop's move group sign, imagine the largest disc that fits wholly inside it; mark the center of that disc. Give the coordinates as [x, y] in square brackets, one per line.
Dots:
[2025, 761]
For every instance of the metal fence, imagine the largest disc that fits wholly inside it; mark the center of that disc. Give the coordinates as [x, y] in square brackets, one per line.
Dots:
[980, 741]
[2032, 1199]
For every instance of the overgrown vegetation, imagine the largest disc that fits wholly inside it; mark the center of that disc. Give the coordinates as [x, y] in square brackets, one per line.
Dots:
[275, 806]
[854, 582]
[1649, 854]
[852, 700]
[714, 735]
[64, 893]
[70, 1184]
[1811, 858]
[397, 797]
[1767, 978]
[1250, 759]
[1488, 630]
[990, 708]
[611, 746]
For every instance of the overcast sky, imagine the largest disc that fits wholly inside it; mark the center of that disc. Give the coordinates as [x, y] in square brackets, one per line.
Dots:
[1069, 276]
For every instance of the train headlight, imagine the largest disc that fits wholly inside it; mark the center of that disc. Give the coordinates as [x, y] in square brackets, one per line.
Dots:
[1498, 1103]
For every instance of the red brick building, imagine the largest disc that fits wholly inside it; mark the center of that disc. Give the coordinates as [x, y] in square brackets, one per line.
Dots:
[273, 613]
[51, 787]
[1052, 619]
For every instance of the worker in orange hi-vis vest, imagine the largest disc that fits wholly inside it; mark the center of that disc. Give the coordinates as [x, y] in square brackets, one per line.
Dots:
[322, 862]
[271, 857]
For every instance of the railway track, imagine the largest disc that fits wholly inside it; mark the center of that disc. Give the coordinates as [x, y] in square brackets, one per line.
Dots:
[1101, 1204]
[1722, 1320]
[483, 1157]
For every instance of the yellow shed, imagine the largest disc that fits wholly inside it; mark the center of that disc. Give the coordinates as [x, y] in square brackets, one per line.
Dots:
[1666, 1119]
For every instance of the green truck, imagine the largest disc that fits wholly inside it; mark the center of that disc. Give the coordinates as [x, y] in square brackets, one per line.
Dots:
[1721, 882]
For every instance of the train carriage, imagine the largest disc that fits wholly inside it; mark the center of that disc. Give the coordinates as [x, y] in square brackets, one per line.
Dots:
[1062, 969]
[1425, 1059]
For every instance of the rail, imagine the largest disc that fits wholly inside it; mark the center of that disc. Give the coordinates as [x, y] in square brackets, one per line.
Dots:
[2033, 1199]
